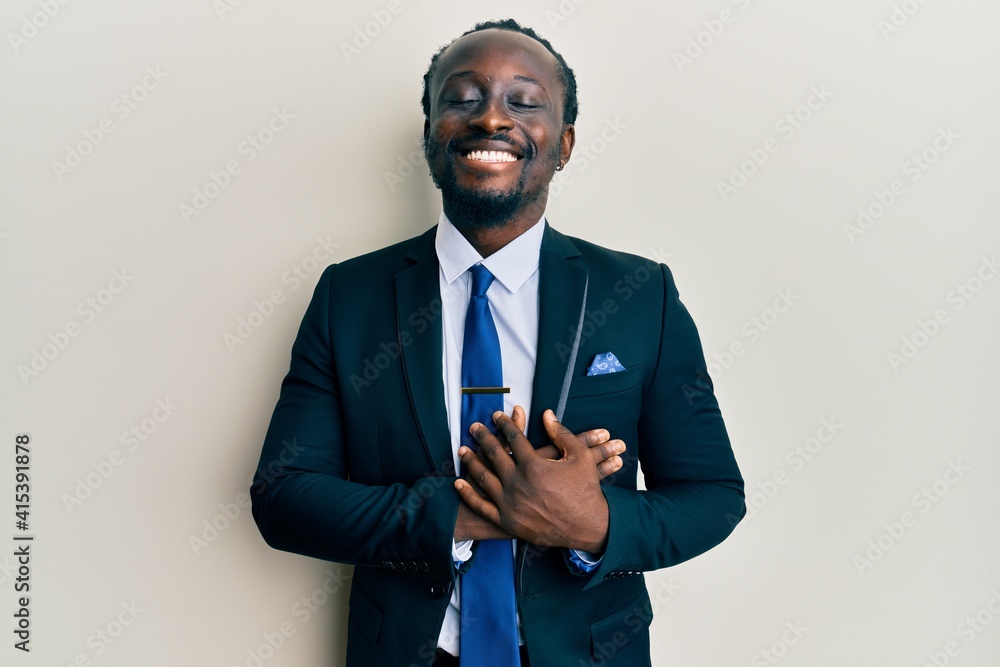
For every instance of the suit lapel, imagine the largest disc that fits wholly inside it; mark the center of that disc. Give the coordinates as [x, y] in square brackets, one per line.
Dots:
[560, 297]
[417, 293]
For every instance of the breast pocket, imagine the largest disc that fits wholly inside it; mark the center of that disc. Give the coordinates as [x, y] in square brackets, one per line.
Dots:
[611, 401]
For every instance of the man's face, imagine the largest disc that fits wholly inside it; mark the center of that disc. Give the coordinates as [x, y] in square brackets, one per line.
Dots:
[495, 133]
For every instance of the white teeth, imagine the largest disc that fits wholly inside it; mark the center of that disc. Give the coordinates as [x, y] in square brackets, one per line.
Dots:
[491, 156]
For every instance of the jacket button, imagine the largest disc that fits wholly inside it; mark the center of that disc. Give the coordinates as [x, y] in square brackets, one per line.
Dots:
[437, 590]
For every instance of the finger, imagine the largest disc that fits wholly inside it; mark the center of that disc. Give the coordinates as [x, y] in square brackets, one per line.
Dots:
[479, 473]
[513, 437]
[476, 502]
[601, 449]
[594, 437]
[606, 450]
[561, 436]
[609, 466]
[491, 450]
[521, 419]
[475, 487]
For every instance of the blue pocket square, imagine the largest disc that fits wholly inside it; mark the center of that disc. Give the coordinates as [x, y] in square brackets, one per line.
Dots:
[605, 363]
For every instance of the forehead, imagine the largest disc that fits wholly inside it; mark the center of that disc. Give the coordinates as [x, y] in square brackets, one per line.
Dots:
[499, 54]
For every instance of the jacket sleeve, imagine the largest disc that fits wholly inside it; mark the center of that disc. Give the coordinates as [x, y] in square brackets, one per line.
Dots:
[694, 496]
[303, 499]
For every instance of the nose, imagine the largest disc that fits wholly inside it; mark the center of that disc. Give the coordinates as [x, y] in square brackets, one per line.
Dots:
[491, 117]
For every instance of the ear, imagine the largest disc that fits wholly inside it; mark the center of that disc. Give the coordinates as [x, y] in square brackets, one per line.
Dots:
[566, 142]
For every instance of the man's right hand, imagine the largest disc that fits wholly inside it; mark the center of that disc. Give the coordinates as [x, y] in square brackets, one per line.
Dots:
[471, 526]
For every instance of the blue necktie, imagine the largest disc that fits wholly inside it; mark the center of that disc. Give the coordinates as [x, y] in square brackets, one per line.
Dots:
[489, 622]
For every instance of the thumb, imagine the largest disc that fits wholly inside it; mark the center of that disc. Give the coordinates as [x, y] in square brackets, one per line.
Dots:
[562, 437]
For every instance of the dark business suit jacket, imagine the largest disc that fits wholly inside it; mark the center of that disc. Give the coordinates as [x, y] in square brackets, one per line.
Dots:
[368, 478]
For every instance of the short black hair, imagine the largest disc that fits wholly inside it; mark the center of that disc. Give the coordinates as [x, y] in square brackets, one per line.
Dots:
[570, 105]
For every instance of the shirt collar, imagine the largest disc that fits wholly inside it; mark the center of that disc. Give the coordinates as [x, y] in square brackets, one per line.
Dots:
[512, 265]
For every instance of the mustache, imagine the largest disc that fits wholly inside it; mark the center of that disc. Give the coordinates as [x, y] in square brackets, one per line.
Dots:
[527, 150]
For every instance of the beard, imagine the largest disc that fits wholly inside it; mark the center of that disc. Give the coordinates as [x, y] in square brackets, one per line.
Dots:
[489, 208]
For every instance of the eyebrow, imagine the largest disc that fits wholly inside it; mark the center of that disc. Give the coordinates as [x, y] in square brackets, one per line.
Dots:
[528, 79]
[465, 74]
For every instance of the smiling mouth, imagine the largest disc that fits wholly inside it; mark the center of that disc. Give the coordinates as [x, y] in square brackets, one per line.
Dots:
[490, 156]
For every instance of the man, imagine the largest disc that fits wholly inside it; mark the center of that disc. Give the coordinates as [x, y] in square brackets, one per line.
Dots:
[468, 408]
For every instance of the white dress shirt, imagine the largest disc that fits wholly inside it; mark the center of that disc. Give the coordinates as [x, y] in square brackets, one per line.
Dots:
[513, 299]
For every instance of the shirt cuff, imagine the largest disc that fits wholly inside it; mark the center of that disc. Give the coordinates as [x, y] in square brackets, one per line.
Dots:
[461, 551]
[584, 561]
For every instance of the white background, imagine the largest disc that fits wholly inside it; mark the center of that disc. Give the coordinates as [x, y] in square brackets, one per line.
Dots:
[654, 190]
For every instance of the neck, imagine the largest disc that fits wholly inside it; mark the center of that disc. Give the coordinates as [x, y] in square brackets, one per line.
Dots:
[488, 240]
